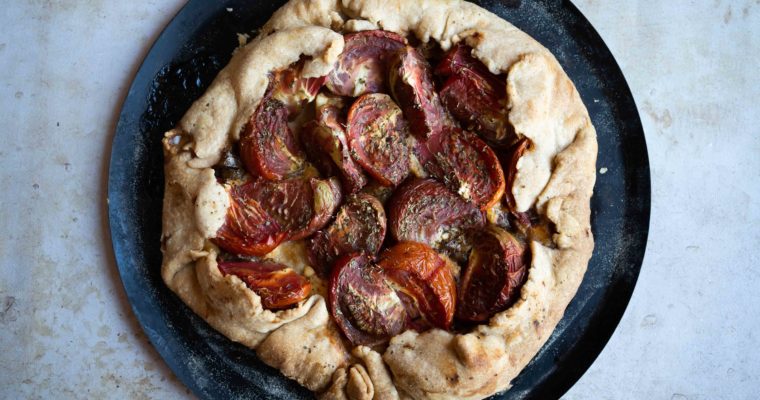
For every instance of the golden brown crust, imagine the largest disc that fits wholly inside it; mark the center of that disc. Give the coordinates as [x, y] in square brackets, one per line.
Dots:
[367, 378]
[556, 176]
[308, 349]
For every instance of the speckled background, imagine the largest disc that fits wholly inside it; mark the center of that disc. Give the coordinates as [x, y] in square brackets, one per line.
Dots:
[690, 332]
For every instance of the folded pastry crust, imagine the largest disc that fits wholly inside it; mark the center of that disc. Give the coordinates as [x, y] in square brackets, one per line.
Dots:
[556, 177]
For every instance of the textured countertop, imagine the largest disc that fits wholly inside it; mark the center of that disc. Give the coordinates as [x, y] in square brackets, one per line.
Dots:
[691, 329]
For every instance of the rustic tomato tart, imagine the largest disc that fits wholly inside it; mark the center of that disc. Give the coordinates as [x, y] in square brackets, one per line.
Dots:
[385, 199]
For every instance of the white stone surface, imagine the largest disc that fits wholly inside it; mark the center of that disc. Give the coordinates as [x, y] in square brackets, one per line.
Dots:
[690, 331]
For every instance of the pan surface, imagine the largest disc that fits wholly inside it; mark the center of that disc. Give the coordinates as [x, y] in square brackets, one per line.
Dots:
[183, 62]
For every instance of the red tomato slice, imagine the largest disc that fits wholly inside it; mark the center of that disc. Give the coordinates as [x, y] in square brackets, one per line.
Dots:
[362, 303]
[359, 226]
[460, 60]
[267, 146]
[326, 144]
[278, 286]
[327, 196]
[467, 166]
[377, 133]
[425, 211]
[419, 272]
[300, 206]
[248, 229]
[412, 87]
[363, 66]
[494, 275]
[476, 97]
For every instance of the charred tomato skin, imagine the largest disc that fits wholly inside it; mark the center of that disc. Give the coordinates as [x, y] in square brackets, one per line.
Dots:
[377, 133]
[278, 286]
[425, 211]
[412, 87]
[267, 146]
[363, 66]
[362, 303]
[421, 274]
[359, 226]
[495, 273]
[248, 228]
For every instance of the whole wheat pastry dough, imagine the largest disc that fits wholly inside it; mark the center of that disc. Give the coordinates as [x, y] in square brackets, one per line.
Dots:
[556, 177]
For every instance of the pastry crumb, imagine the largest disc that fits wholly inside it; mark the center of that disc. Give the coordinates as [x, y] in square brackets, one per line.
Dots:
[464, 190]
[603, 170]
[243, 39]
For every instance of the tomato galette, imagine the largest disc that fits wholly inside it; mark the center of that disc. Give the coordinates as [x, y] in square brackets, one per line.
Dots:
[385, 199]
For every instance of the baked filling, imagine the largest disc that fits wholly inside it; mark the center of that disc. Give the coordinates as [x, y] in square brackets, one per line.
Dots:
[392, 169]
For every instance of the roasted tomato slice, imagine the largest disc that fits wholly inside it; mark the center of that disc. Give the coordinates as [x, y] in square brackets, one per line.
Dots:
[291, 88]
[363, 65]
[467, 166]
[476, 97]
[300, 206]
[421, 274]
[494, 275]
[278, 286]
[362, 302]
[425, 211]
[248, 228]
[326, 144]
[412, 87]
[359, 226]
[460, 59]
[377, 133]
[517, 151]
[267, 146]
[327, 197]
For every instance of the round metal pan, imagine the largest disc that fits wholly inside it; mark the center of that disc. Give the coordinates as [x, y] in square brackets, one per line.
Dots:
[184, 60]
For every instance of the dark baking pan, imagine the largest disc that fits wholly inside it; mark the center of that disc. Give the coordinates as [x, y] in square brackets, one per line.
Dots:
[185, 59]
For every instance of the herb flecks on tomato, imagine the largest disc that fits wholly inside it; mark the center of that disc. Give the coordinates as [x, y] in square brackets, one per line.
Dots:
[267, 146]
[377, 133]
[425, 211]
[359, 226]
[467, 166]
